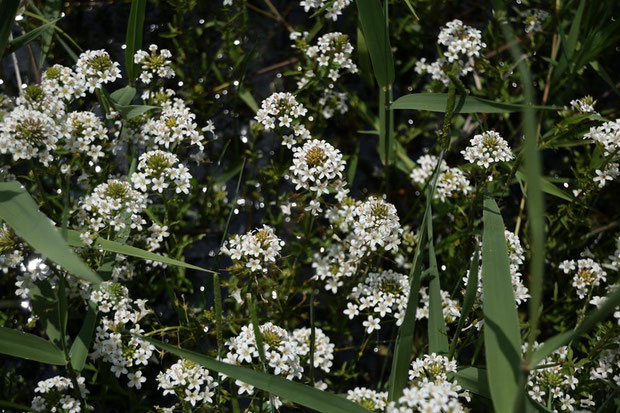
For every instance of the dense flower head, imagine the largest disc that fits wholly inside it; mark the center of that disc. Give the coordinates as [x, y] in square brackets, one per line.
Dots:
[431, 367]
[111, 207]
[451, 182]
[376, 226]
[583, 105]
[323, 348]
[316, 166]
[280, 349]
[462, 41]
[62, 82]
[486, 149]
[333, 102]
[440, 68]
[332, 8]
[96, 68]
[30, 273]
[380, 295]
[255, 250]
[37, 98]
[282, 112]
[115, 342]
[154, 63]
[189, 381]
[29, 134]
[83, 133]
[57, 394]
[11, 249]
[533, 20]
[429, 396]
[607, 135]
[332, 265]
[369, 399]
[175, 125]
[332, 53]
[586, 274]
[451, 308]
[159, 170]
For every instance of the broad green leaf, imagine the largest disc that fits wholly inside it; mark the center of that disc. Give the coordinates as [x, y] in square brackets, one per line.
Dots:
[73, 239]
[502, 339]
[437, 335]
[363, 58]
[20, 212]
[28, 346]
[475, 380]
[8, 10]
[286, 389]
[469, 297]
[43, 300]
[612, 301]
[50, 10]
[81, 344]
[249, 100]
[377, 39]
[132, 111]
[133, 40]
[436, 102]
[123, 96]
[26, 38]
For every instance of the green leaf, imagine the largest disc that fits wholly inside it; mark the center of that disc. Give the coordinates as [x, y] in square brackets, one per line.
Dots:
[612, 301]
[28, 346]
[377, 39]
[50, 11]
[249, 100]
[123, 96]
[79, 348]
[20, 212]
[43, 300]
[73, 239]
[8, 10]
[26, 38]
[437, 336]
[475, 380]
[288, 390]
[436, 102]
[548, 187]
[132, 111]
[502, 339]
[133, 40]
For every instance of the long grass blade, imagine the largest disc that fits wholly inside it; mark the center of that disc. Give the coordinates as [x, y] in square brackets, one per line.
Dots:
[436, 102]
[8, 10]
[28, 346]
[133, 40]
[437, 335]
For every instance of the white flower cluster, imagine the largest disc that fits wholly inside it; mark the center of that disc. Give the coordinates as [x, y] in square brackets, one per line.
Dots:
[552, 382]
[317, 165]
[188, 381]
[451, 182]
[158, 170]
[158, 233]
[332, 52]
[58, 395]
[450, 308]
[154, 63]
[63, 83]
[608, 365]
[96, 68]
[463, 43]
[583, 105]
[255, 250]
[533, 20]
[36, 98]
[609, 173]
[607, 135]
[11, 249]
[486, 149]
[282, 112]
[377, 226]
[35, 270]
[28, 134]
[82, 131]
[332, 266]
[431, 389]
[332, 102]
[281, 353]
[174, 125]
[369, 399]
[587, 274]
[112, 206]
[332, 8]
[323, 348]
[378, 295]
[114, 342]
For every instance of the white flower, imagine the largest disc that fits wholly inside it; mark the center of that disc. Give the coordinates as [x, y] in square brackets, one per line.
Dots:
[161, 169]
[371, 399]
[372, 324]
[28, 134]
[175, 125]
[586, 274]
[332, 8]
[96, 68]
[136, 379]
[607, 135]
[377, 226]
[154, 63]
[255, 250]
[462, 41]
[533, 20]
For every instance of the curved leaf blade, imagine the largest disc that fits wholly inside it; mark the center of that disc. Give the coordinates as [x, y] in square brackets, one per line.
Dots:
[288, 390]
[79, 348]
[21, 213]
[502, 340]
[437, 335]
[28, 346]
[375, 32]
[436, 102]
[133, 40]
